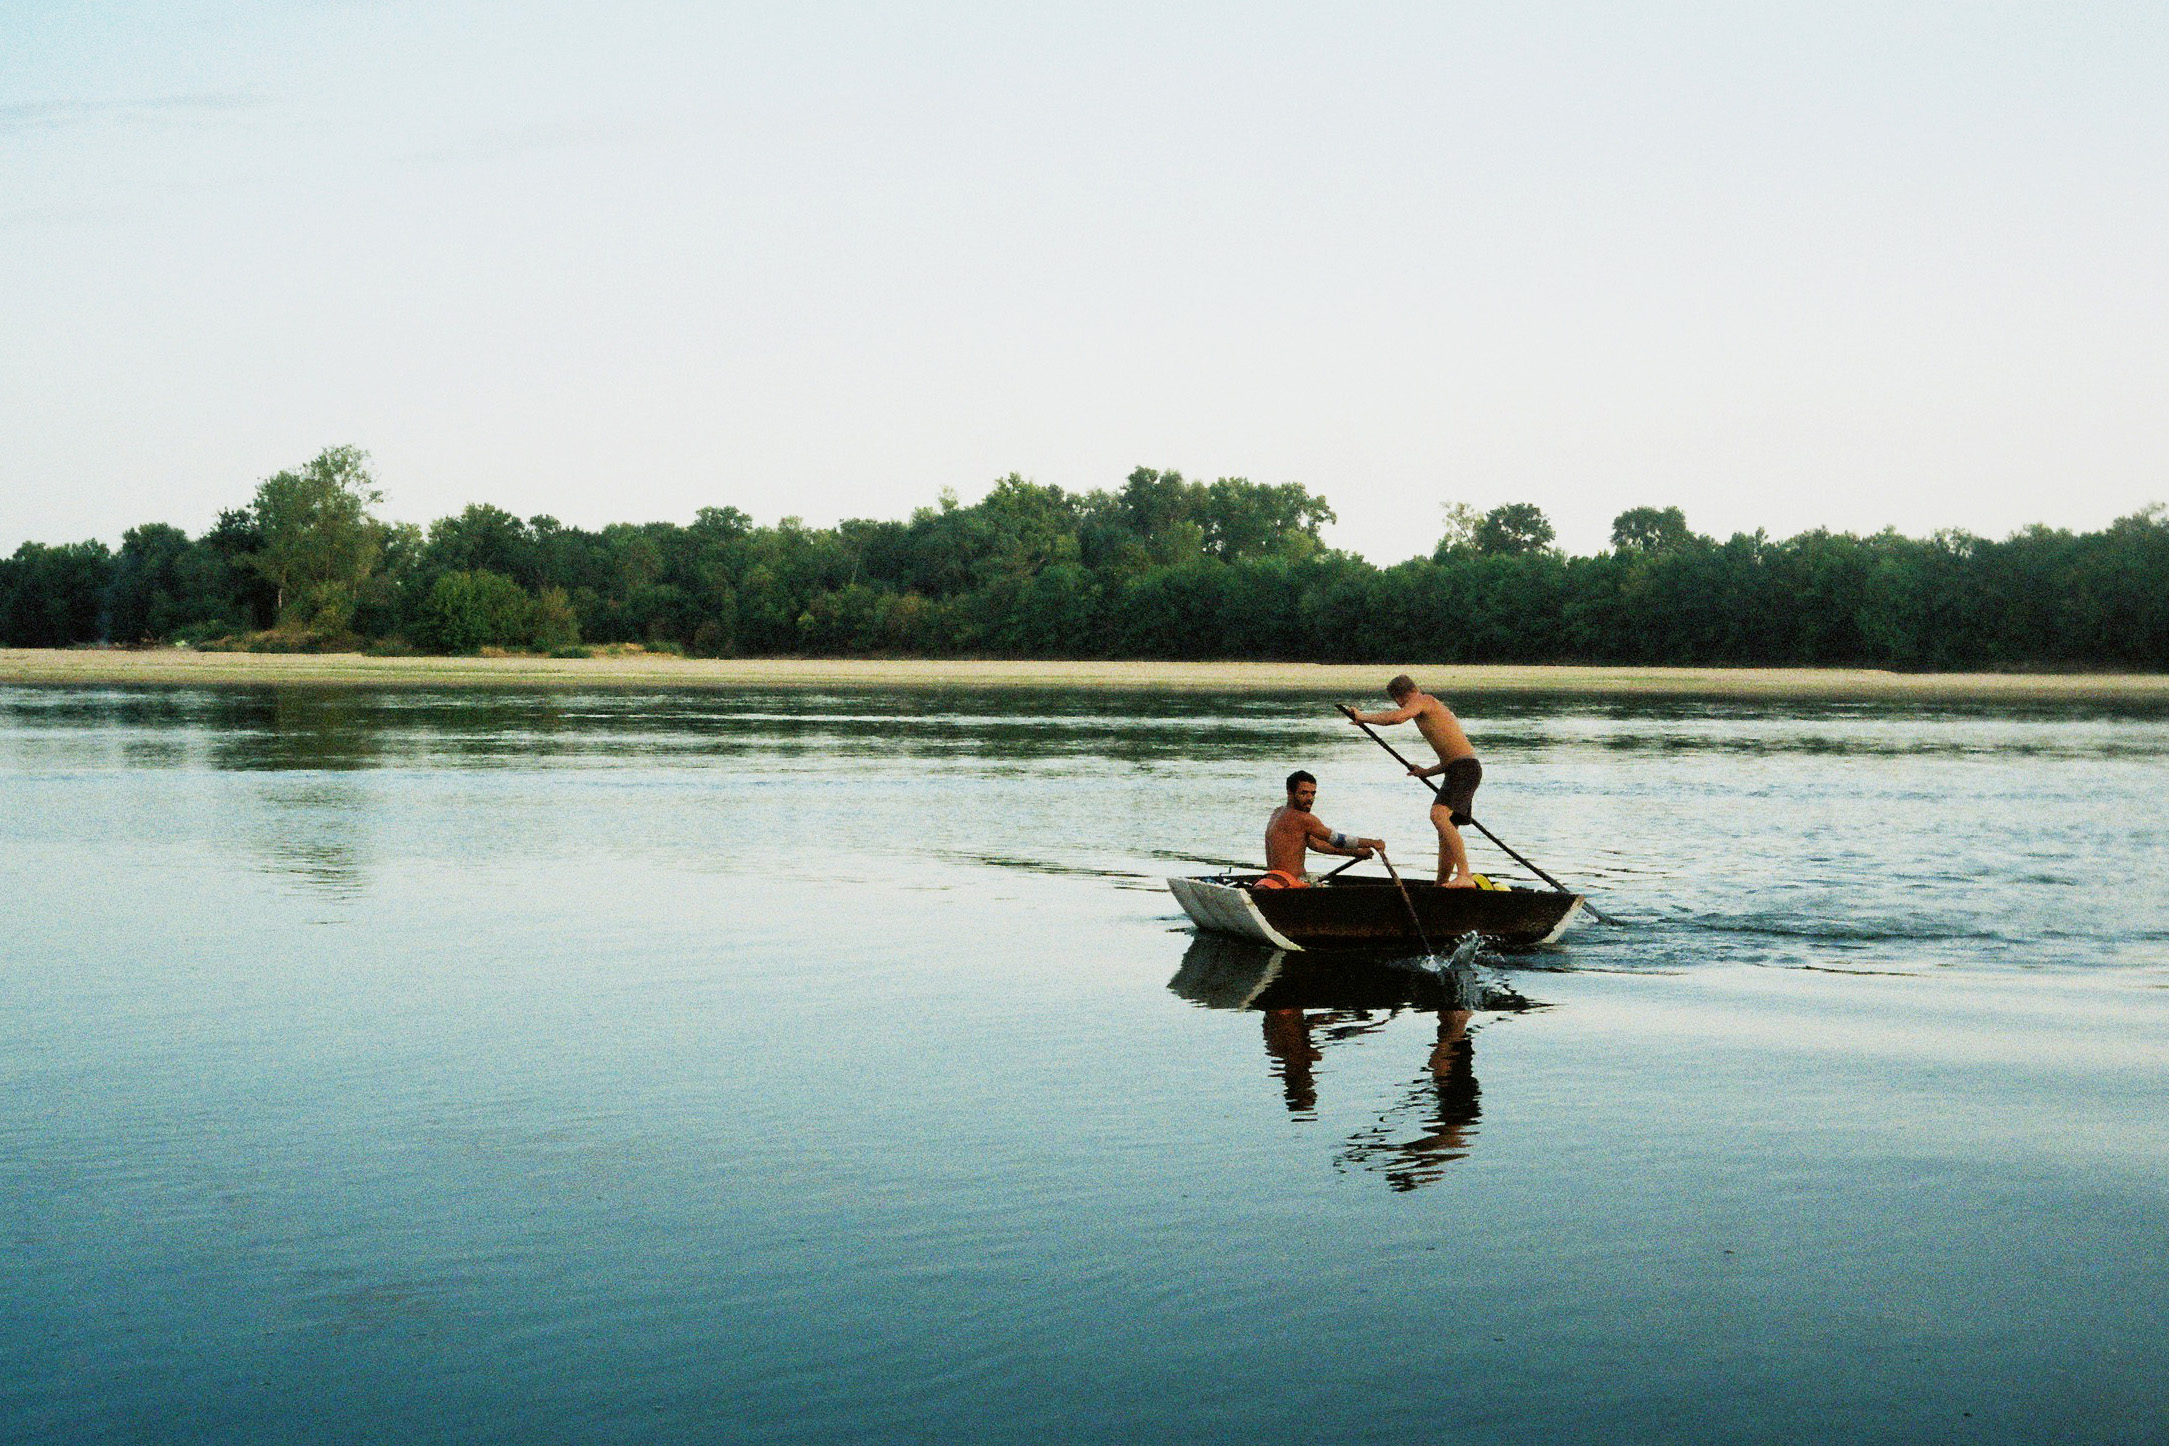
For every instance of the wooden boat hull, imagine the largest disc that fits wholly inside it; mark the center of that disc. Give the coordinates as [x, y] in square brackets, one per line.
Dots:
[1219, 972]
[1365, 913]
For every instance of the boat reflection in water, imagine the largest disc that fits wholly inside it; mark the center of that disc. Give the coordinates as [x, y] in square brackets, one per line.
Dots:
[1307, 1002]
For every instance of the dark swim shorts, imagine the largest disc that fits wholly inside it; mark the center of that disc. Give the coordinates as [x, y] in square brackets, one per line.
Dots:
[1457, 789]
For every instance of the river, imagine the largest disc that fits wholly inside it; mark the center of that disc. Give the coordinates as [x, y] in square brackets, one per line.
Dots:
[479, 1066]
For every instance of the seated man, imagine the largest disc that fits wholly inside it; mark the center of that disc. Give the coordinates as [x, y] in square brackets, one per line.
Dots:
[1293, 829]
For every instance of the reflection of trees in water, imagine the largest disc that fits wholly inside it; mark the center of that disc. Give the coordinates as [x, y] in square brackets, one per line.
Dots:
[312, 827]
[1307, 1005]
[299, 726]
[286, 729]
[315, 834]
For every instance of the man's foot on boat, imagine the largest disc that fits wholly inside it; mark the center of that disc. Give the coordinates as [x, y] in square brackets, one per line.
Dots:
[1461, 883]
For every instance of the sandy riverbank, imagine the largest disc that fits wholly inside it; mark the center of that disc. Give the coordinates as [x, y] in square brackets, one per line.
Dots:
[181, 667]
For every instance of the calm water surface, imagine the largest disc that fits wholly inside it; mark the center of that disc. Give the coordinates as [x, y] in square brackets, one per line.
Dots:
[434, 1066]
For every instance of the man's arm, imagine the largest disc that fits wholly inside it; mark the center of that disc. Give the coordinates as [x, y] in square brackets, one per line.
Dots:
[1398, 715]
[1325, 841]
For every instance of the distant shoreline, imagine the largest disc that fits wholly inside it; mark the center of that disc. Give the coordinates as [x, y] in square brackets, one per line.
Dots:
[177, 667]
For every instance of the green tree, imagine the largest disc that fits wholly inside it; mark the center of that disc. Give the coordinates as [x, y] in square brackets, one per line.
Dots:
[144, 600]
[1054, 614]
[1244, 521]
[386, 602]
[1028, 526]
[469, 610]
[53, 597]
[483, 539]
[1512, 530]
[1458, 537]
[551, 621]
[2123, 586]
[1153, 501]
[319, 541]
[165, 586]
[228, 572]
[1650, 530]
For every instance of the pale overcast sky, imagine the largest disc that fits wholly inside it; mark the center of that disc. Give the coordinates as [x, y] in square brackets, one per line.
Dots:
[1783, 265]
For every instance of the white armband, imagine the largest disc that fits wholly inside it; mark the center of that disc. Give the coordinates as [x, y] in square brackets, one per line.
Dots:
[1340, 840]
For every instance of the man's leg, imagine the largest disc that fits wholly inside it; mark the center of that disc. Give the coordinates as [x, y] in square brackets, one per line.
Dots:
[1453, 852]
[1456, 797]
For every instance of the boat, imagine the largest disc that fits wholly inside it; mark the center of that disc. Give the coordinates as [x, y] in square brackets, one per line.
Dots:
[1363, 912]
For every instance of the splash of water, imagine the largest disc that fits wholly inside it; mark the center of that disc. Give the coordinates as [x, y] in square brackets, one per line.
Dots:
[1472, 977]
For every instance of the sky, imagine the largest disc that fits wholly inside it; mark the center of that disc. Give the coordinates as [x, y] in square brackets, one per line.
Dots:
[1782, 265]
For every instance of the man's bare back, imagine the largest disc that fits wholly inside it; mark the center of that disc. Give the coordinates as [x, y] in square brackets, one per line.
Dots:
[1434, 720]
[1456, 759]
[1287, 838]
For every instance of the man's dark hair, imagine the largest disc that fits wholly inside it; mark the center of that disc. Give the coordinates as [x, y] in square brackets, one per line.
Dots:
[1299, 776]
[1400, 686]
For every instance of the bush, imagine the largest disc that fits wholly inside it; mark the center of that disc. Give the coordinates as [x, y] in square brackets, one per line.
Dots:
[552, 625]
[298, 640]
[465, 611]
[202, 635]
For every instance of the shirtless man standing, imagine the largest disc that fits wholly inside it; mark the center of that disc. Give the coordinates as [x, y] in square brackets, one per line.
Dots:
[1293, 828]
[1456, 759]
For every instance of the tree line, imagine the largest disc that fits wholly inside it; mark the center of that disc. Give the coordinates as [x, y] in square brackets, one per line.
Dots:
[1163, 567]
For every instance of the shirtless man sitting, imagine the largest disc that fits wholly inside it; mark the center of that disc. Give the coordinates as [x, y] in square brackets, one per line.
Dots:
[1293, 829]
[1456, 759]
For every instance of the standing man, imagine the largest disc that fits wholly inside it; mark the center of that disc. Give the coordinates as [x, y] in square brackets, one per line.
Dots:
[1456, 759]
[1293, 828]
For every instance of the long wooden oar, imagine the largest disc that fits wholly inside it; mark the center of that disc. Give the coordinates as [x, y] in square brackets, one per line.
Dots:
[1596, 912]
[1407, 902]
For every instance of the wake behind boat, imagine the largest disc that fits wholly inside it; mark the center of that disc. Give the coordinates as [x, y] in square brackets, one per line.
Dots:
[1370, 913]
